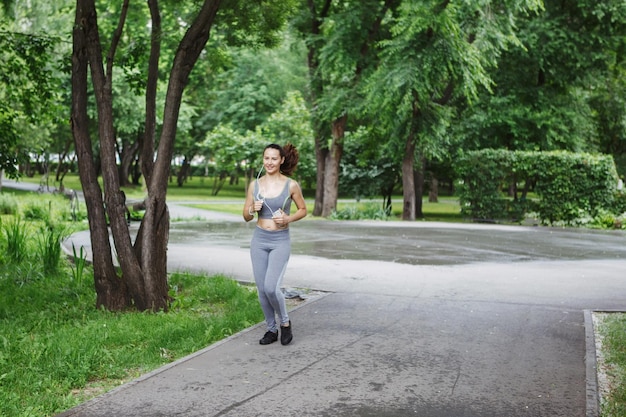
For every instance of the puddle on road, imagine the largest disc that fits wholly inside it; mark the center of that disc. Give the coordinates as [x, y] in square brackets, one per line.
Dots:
[418, 245]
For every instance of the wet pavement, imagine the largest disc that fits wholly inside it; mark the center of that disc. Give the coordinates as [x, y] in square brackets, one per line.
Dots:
[419, 243]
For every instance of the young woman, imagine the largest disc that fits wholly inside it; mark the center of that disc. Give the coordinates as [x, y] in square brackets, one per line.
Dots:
[270, 197]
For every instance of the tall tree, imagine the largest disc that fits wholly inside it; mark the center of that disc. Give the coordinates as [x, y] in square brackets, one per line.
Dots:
[29, 82]
[550, 94]
[342, 38]
[439, 50]
[143, 265]
[309, 24]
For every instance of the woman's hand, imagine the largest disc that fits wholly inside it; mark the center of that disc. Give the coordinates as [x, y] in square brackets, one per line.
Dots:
[257, 205]
[280, 218]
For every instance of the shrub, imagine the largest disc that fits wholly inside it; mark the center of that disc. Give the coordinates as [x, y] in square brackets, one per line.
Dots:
[568, 186]
[369, 211]
[50, 247]
[36, 210]
[8, 204]
[16, 233]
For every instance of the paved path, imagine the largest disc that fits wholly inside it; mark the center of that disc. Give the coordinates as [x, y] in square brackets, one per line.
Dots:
[476, 339]
[501, 335]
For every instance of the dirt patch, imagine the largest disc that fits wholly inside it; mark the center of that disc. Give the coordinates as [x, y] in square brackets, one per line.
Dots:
[295, 297]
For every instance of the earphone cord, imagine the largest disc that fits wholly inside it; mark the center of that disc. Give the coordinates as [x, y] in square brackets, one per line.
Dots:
[258, 194]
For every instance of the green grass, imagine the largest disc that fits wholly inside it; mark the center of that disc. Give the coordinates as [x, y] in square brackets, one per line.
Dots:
[613, 330]
[197, 192]
[446, 210]
[194, 189]
[57, 350]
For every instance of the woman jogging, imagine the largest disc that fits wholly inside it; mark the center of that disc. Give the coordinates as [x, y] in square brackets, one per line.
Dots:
[270, 197]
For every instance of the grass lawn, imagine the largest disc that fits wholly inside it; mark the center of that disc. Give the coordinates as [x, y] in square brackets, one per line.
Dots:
[198, 192]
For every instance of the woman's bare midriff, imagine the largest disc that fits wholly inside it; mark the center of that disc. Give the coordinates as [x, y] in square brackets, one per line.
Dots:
[269, 224]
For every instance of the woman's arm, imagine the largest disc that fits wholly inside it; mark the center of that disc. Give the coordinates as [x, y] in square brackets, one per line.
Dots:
[248, 207]
[298, 199]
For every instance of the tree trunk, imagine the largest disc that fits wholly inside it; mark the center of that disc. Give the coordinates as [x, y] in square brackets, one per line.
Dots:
[147, 144]
[111, 291]
[433, 194]
[419, 187]
[144, 266]
[127, 157]
[183, 172]
[331, 173]
[152, 241]
[317, 15]
[320, 156]
[62, 168]
[135, 172]
[115, 201]
[408, 180]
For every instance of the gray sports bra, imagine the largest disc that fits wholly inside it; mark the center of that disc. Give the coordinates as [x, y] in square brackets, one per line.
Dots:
[281, 201]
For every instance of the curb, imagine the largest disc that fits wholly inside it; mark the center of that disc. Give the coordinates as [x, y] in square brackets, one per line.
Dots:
[593, 399]
[592, 389]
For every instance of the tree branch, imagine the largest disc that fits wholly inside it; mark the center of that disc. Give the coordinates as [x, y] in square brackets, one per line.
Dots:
[117, 34]
[147, 147]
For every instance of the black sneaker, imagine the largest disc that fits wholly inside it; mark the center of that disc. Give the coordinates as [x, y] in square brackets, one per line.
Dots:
[285, 334]
[269, 337]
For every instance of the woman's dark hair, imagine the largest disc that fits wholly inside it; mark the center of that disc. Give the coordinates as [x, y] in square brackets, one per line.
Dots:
[291, 155]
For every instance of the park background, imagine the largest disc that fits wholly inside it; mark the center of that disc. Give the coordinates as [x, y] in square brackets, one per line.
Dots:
[384, 100]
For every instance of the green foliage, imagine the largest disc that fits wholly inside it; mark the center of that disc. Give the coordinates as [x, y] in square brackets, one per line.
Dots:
[227, 149]
[605, 219]
[561, 88]
[619, 202]
[48, 208]
[291, 122]
[233, 153]
[247, 93]
[79, 265]
[368, 169]
[37, 210]
[482, 176]
[367, 211]
[29, 87]
[568, 186]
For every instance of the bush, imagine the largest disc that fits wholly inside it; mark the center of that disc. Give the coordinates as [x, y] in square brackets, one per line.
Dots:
[571, 185]
[36, 210]
[8, 204]
[16, 233]
[368, 211]
[619, 202]
[568, 186]
[50, 247]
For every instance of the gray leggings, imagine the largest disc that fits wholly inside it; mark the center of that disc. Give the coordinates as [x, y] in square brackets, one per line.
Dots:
[270, 251]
